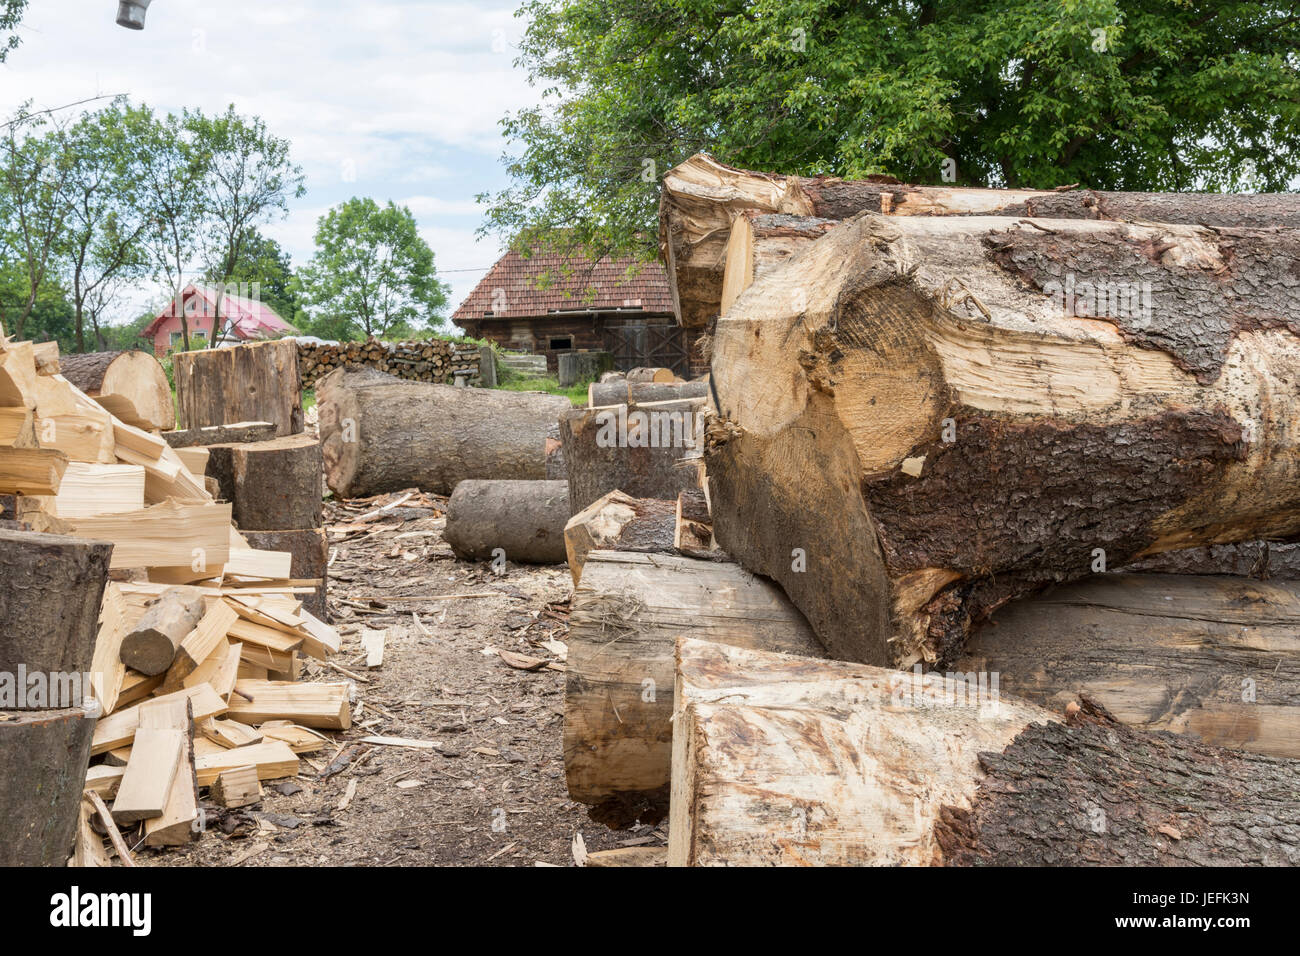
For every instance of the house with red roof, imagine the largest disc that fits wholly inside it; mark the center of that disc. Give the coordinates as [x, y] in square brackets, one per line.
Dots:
[550, 302]
[243, 319]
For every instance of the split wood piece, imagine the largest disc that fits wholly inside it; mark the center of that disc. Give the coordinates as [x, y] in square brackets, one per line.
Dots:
[150, 646]
[273, 759]
[522, 519]
[1216, 658]
[193, 537]
[632, 394]
[383, 434]
[118, 728]
[82, 436]
[107, 671]
[31, 471]
[44, 754]
[18, 375]
[786, 761]
[890, 395]
[628, 856]
[238, 787]
[46, 357]
[136, 687]
[131, 385]
[220, 434]
[618, 522]
[104, 779]
[301, 740]
[138, 440]
[230, 733]
[321, 705]
[628, 611]
[147, 781]
[90, 489]
[17, 428]
[89, 849]
[277, 483]
[114, 834]
[179, 820]
[258, 662]
[248, 383]
[760, 242]
[195, 459]
[643, 375]
[372, 642]
[220, 671]
[638, 451]
[246, 564]
[51, 596]
[206, 639]
[309, 560]
[693, 525]
[701, 199]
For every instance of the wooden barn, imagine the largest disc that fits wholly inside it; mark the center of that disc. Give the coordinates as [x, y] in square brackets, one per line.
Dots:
[548, 303]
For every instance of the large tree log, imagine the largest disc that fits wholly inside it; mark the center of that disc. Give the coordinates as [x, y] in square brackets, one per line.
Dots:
[525, 519]
[131, 385]
[701, 199]
[51, 591]
[626, 392]
[277, 484]
[784, 760]
[247, 383]
[383, 434]
[627, 612]
[44, 755]
[1214, 657]
[907, 407]
[640, 451]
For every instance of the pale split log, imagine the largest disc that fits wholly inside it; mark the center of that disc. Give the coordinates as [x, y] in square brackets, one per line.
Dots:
[31, 471]
[321, 705]
[237, 787]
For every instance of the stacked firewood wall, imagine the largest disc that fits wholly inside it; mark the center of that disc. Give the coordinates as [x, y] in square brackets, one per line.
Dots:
[430, 360]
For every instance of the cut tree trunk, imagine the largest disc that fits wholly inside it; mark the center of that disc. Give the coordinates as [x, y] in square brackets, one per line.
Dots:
[220, 434]
[618, 522]
[310, 550]
[627, 612]
[277, 483]
[383, 434]
[702, 198]
[51, 591]
[1217, 658]
[247, 383]
[641, 451]
[131, 385]
[642, 375]
[914, 428]
[632, 394]
[524, 519]
[44, 755]
[787, 761]
[150, 646]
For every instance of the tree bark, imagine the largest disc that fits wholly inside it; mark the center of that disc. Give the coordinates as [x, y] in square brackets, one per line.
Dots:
[525, 519]
[640, 451]
[701, 199]
[246, 383]
[618, 522]
[908, 409]
[627, 612]
[130, 385]
[51, 590]
[44, 755]
[383, 434]
[1217, 658]
[150, 646]
[277, 484]
[220, 434]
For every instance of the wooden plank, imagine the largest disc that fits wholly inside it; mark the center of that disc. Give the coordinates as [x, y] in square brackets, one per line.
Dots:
[31, 471]
[118, 729]
[107, 671]
[320, 640]
[321, 705]
[273, 760]
[155, 755]
[177, 824]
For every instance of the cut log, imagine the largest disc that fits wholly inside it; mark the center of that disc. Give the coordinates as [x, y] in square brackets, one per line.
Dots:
[524, 519]
[309, 552]
[618, 522]
[238, 787]
[322, 705]
[31, 471]
[220, 434]
[701, 198]
[51, 594]
[131, 385]
[627, 612]
[1217, 658]
[642, 375]
[899, 388]
[277, 483]
[625, 392]
[383, 434]
[44, 756]
[258, 382]
[150, 646]
[640, 452]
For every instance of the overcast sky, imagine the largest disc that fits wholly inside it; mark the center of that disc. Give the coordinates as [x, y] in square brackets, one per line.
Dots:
[392, 99]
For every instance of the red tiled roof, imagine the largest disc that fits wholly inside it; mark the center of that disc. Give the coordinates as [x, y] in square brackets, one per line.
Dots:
[246, 318]
[572, 284]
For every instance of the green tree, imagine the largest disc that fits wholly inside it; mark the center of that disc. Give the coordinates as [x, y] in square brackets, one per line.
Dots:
[1113, 94]
[11, 12]
[371, 274]
[264, 265]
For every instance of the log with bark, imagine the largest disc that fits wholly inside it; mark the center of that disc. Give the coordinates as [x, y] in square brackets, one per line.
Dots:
[44, 755]
[523, 519]
[150, 646]
[918, 423]
[618, 522]
[627, 612]
[383, 434]
[1217, 658]
[220, 434]
[702, 198]
[643, 451]
[131, 385]
[632, 394]
[276, 484]
[257, 382]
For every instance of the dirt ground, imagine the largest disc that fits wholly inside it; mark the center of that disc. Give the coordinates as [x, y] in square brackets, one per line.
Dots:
[491, 792]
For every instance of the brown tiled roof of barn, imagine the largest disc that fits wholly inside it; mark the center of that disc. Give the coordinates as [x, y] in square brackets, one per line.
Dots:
[609, 284]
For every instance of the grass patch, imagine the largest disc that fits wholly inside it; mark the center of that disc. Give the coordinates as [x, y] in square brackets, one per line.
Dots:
[576, 393]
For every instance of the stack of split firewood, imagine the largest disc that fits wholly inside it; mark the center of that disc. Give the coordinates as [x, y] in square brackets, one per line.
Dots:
[128, 594]
[427, 360]
[1004, 489]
